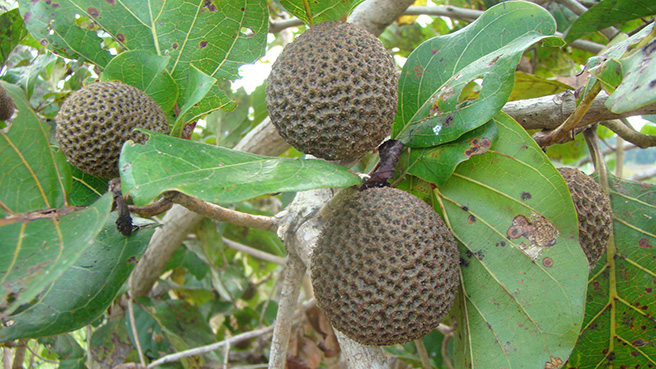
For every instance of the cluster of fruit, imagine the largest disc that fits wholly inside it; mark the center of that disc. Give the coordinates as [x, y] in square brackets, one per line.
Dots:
[386, 268]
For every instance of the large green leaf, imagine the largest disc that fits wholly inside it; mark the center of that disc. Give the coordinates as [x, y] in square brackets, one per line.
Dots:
[86, 289]
[32, 176]
[216, 37]
[36, 253]
[217, 174]
[313, 12]
[430, 111]
[12, 32]
[619, 324]
[524, 274]
[608, 13]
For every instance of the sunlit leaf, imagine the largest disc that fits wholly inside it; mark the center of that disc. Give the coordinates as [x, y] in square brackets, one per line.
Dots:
[12, 31]
[68, 351]
[313, 12]
[32, 176]
[86, 188]
[86, 289]
[607, 13]
[146, 72]
[36, 253]
[524, 274]
[217, 174]
[216, 37]
[618, 329]
[487, 50]
[528, 86]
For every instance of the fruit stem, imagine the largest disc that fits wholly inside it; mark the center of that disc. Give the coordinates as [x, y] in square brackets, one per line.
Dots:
[423, 354]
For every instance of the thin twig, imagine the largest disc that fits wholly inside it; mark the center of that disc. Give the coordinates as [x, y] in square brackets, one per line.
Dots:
[453, 12]
[291, 288]
[607, 151]
[254, 252]
[41, 357]
[222, 214]
[629, 134]
[649, 173]
[19, 354]
[565, 129]
[135, 333]
[160, 206]
[619, 157]
[423, 354]
[231, 341]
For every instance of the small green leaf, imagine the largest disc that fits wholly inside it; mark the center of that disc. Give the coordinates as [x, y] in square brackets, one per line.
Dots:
[609, 75]
[12, 31]
[86, 289]
[436, 164]
[36, 253]
[618, 329]
[638, 87]
[146, 72]
[32, 176]
[435, 74]
[314, 12]
[198, 85]
[217, 174]
[609, 13]
[524, 275]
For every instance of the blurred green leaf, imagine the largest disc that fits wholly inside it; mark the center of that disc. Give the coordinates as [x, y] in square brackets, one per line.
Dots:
[217, 174]
[69, 353]
[110, 344]
[528, 86]
[618, 329]
[86, 288]
[436, 164]
[32, 176]
[146, 72]
[38, 252]
[434, 75]
[313, 12]
[524, 275]
[608, 13]
[568, 152]
[12, 31]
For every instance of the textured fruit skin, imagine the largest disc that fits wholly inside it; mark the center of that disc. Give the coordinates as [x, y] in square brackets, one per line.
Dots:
[386, 268]
[6, 104]
[593, 210]
[95, 121]
[332, 92]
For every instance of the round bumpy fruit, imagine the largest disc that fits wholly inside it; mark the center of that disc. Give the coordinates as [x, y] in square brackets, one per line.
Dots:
[594, 213]
[332, 92]
[385, 269]
[6, 104]
[95, 121]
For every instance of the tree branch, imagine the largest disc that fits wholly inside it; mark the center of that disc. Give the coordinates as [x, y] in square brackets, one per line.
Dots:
[222, 214]
[548, 112]
[629, 134]
[649, 173]
[376, 15]
[254, 252]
